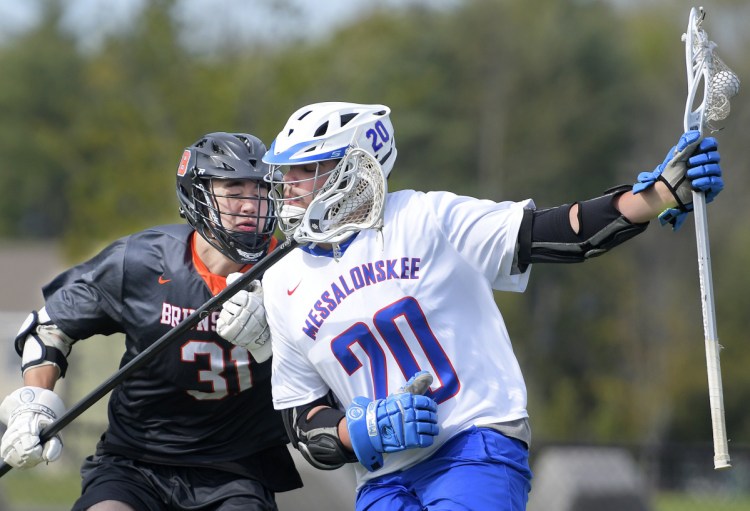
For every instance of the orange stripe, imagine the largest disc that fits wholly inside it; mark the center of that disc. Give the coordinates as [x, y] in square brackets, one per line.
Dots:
[217, 283]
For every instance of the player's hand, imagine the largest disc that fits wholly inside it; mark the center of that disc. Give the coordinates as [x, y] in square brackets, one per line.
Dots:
[398, 422]
[693, 164]
[417, 384]
[26, 412]
[704, 175]
[242, 321]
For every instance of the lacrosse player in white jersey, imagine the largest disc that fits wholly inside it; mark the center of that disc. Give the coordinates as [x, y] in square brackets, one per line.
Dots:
[389, 351]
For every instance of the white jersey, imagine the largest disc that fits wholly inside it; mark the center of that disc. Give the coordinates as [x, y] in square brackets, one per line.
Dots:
[419, 298]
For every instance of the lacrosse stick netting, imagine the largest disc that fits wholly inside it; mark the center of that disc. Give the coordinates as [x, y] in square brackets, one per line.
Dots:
[706, 71]
[719, 82]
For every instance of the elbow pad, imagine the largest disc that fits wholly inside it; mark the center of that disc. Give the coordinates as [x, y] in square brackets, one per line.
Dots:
[318, 439]
[40, 342]
[547, 237]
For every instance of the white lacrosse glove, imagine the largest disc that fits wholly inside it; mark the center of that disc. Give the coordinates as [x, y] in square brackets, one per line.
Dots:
[26, 412]
[242, 321]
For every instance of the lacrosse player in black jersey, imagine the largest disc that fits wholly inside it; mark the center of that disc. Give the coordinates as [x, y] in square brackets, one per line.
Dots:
[194, 429]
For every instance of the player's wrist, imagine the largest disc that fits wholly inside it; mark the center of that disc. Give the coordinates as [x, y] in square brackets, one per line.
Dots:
[361, 430]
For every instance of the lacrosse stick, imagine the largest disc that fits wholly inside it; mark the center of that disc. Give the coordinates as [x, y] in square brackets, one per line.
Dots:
[148, 354]
[719, 83]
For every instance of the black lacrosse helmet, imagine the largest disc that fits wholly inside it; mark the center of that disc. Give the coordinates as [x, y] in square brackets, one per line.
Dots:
[223, 155]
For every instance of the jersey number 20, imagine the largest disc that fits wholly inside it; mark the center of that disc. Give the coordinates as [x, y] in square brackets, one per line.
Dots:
[390, 335]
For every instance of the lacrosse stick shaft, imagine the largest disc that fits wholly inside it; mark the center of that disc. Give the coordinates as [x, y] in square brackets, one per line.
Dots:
[147, 355]
[696, 63]
[713, 365]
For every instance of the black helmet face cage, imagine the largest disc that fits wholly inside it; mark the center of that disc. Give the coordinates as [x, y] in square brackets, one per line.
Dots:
[241, 246]
[241, 233]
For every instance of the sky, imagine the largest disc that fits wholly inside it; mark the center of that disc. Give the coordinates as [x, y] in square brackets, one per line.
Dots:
[246, 19]
[207, 21]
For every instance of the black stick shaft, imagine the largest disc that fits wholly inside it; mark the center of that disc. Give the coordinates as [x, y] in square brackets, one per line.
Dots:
[149, 353]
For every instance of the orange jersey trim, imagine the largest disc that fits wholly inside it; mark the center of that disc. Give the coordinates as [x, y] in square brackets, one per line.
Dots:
[217, 283]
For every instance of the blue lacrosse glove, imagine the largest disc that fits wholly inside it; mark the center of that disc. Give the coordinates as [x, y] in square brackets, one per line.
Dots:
[693, 164]
[704, 174]
[398, 422]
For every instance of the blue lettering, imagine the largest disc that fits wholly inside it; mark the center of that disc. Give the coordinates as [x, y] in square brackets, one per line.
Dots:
[404, 267]
[326, 297]
[345, 286]
[314, 319]
[357, 279]
[369, 273]
[310, 330]
[337, 293]
[391, 265]
[323, 311]
[379, 271]
[414, 267]
[366, 274]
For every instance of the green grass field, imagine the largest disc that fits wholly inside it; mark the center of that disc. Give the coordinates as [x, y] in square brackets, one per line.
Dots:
[686, 502]
[26, 489]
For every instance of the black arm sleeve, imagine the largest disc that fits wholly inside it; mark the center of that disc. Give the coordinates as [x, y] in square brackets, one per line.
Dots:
[547, 237]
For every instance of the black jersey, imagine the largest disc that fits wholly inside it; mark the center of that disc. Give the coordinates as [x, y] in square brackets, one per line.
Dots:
[201, 400]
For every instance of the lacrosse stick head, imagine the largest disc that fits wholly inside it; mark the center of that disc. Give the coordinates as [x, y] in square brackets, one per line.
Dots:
[705, 68]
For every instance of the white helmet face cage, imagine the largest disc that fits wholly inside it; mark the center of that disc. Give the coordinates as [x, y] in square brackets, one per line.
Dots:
[361, 137]
[345, 200]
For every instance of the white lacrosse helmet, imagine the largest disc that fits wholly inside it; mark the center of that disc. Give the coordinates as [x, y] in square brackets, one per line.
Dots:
[326, 131]
[352, 196]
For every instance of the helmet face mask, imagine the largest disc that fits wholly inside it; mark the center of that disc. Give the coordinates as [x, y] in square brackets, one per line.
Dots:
[334, 203]
[360, 138]
[291, 209]
[206, 168]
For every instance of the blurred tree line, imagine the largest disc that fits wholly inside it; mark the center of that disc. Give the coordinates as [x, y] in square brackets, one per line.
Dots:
[556, 100]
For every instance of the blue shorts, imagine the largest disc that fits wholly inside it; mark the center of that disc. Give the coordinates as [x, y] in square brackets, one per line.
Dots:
[478, 469]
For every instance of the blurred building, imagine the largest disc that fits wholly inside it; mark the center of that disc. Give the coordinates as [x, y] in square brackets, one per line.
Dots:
[26, 267]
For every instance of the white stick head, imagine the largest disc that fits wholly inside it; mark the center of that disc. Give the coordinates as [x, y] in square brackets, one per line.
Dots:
[706, 71]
